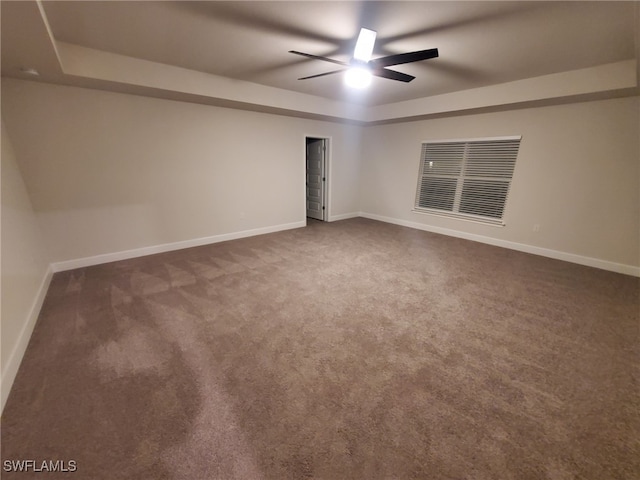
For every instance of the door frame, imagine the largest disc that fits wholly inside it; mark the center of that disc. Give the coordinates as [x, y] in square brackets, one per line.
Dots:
[327, 175]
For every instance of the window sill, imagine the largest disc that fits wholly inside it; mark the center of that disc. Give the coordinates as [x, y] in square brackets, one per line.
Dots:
[464, 218]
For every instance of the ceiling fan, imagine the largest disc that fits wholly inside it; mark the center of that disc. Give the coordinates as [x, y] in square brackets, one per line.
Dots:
[361, 67]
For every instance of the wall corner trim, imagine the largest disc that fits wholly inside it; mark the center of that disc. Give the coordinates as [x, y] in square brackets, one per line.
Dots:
[10, 369]
[521, 247]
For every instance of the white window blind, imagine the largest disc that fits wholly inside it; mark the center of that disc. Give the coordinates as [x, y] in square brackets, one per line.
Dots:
[468, 179]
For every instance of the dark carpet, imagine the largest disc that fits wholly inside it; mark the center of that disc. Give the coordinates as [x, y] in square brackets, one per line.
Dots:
[345, 350]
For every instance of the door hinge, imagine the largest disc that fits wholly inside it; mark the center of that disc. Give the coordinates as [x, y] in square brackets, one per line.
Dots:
[324, 179]
[323, 207]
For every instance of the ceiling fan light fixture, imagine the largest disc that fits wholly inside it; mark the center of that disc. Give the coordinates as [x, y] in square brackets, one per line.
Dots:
[364, 45]
[362, 68]
[358, 77]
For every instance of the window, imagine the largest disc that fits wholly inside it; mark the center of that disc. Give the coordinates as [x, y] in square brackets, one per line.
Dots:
[467, 178]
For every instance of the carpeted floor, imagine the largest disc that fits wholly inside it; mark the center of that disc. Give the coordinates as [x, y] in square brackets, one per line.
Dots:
[346, 350]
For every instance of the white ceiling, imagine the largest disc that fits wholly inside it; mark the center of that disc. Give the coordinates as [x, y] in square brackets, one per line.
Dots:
[243, 46]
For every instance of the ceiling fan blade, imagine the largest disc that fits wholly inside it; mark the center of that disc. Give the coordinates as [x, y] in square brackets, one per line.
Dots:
[392, 75]
[321, 74]
[316, 57]
[401, 58]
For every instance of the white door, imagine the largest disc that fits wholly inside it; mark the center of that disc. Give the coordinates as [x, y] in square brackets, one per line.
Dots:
[315, 177]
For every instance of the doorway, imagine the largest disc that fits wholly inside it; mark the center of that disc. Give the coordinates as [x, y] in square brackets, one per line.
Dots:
[316, 177]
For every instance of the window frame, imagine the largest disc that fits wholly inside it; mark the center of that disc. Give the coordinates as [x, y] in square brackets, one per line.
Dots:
[460, 180]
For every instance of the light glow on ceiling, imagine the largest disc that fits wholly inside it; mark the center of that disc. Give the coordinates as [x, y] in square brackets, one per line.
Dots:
[364, 45]
[358, 77]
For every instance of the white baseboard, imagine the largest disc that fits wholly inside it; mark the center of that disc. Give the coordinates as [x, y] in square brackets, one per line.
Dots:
[167, 247]
[10, 369]
[521, 247]
[343, 216]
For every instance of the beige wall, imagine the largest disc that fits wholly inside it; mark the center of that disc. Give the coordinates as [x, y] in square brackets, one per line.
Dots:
[25, 266]
[577, 176]
[110, 172]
